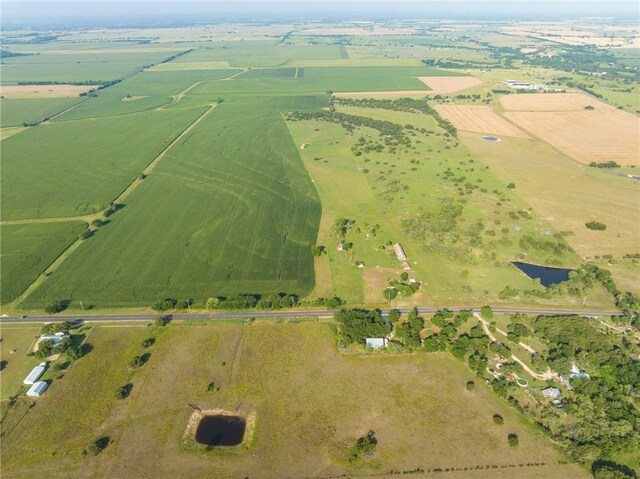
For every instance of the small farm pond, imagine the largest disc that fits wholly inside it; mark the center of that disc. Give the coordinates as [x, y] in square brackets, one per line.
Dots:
[490, 138]
[221, 430]
[545, 274]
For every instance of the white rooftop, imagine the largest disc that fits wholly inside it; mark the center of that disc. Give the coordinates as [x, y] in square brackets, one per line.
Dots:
[37, 389]
[35, 374]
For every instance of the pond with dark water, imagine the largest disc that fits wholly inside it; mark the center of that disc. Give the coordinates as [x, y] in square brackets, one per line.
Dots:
[221, 430]
[545, 274]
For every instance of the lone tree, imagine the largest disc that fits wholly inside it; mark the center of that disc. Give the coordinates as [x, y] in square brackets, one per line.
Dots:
[513, 439]
[365, 446]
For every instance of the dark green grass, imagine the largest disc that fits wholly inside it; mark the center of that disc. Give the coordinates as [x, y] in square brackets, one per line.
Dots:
[73, 168]
[16, 111]
[229, 210]
[28, 249]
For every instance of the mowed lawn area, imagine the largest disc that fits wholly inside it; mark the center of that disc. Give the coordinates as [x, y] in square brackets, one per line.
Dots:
[230, 210]
[310, 402]
[73, 168]
[27, 249]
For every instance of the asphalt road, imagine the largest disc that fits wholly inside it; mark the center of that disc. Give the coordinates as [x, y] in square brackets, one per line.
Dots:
[315, 313]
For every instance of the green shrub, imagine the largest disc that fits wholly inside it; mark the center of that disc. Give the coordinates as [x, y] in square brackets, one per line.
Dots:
[596, 226]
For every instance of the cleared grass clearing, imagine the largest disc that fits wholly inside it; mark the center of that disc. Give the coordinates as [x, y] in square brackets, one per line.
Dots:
[311, 404]
[573, 195]
[252, 219]
[75, 168]
[480, 119]
[28, 249]
[444, 85]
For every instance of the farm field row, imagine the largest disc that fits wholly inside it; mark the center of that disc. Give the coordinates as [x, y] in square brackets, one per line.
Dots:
[334, 399]
[252, 219]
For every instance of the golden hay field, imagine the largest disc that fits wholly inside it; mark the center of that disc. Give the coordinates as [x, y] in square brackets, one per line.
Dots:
[44, 91]
[601, 134]
[479, 119]
[548, 102]
[445, 85]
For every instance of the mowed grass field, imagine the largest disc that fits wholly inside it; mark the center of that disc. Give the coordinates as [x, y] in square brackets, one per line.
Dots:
[229, 210]
[310, 402]
[27, 249]
[72, 168]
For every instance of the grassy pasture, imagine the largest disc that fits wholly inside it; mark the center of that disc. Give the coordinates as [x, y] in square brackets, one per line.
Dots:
[369, 181]
[28, 249]
[74, 168]
[16, 111]
[252, 218]
[17, 365]
[311, 404]
[568, 187]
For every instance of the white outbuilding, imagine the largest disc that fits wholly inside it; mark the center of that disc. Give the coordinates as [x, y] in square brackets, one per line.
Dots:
[37, 389]
[35, 374]
[376, 343]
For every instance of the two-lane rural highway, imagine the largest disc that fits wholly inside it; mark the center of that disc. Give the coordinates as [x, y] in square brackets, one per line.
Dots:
[302, 313]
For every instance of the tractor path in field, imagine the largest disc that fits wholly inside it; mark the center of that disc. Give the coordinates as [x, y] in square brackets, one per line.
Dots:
[125, 193]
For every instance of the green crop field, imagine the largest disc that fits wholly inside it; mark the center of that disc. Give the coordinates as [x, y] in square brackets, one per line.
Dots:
[16, 111]
[310, 404]
[79, 167]
[27, 249]
[77, 67]
[253, 218]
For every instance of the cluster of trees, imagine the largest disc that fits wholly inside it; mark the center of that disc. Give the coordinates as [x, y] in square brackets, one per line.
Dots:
[350, 122]
[408, 332]
[558, 247]
[403, 104]
[56, 307]
[606, 418]
[595, 225]
[358, 324]
[66, 346]
[245, 301]
[396, 287]
[365, 446]
[604, 164]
